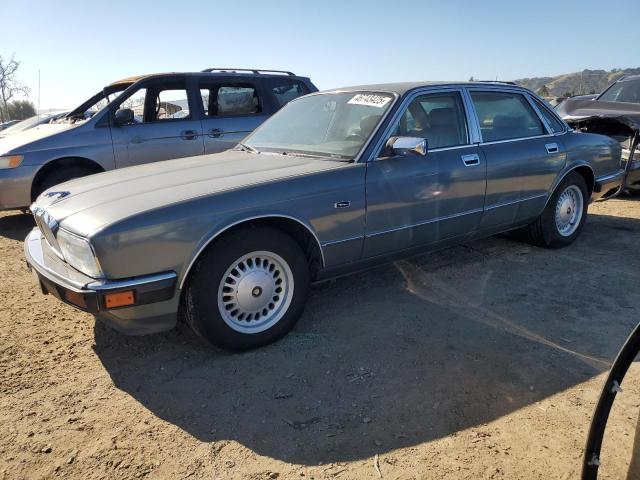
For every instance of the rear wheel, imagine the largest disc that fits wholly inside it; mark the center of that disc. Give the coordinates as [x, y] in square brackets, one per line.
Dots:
[563, 218]
[248, 290]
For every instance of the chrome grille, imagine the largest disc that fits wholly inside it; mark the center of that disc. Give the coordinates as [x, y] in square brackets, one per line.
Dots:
[48, 226]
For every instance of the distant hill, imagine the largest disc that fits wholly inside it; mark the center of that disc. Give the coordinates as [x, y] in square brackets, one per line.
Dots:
[578, 83]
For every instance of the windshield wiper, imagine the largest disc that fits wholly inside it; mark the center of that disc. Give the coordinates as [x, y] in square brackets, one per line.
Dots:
[247, 148]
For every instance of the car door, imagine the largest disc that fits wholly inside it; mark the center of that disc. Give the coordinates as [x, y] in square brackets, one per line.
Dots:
[414, 200]
[163, 126]
[523, 157]
[233, 108]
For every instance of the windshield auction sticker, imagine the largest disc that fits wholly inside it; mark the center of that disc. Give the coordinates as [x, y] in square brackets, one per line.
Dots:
[370, 100]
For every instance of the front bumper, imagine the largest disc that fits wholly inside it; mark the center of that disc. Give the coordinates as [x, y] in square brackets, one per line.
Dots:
[156, 301]
[15, 186]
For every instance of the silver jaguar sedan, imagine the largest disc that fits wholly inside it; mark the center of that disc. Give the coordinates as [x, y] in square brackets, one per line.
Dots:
[334, 182]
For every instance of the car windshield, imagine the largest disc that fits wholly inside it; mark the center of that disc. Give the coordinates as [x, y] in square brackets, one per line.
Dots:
[23, 125]
[328, 124]
[624, 91]
[94, 104]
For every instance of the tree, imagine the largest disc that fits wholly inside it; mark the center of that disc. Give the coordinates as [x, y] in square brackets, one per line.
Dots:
[20, 109]
[9, 84]
[471, 79]
[543, 91]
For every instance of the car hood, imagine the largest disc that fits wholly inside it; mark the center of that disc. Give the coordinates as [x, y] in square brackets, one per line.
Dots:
[13, 142]
[580, 109]
[85, 206]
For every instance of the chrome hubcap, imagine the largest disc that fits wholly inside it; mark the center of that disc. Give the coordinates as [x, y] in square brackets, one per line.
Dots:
[569, 210]
[255, 292]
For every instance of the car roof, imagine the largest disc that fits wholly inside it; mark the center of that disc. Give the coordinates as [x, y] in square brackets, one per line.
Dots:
[401, 88]
[240, 73]
[626, 78]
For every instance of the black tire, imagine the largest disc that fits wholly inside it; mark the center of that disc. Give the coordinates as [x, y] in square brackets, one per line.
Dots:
[200, 302]
[61, 175]
[543, 231]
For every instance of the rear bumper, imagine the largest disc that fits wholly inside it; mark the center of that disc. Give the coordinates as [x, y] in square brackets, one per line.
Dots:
[15, 186]
[156, 301]
[608, 185]
[633, 178]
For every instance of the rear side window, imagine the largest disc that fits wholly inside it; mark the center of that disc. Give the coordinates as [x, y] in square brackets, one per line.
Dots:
[505, 116]
[437, 117]
[286, 90]
[230, 100]
[556, 125]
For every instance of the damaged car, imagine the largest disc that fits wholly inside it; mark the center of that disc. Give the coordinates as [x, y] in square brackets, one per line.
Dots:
[615, 113]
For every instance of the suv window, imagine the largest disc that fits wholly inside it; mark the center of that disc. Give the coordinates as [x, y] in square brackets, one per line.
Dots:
[438, 117]
[159, 103]
[505, 116]
[230, 100]
[554, 123]
[286, 90]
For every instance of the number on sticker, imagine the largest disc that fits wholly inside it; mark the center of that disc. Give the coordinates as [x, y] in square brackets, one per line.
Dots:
[370, 100]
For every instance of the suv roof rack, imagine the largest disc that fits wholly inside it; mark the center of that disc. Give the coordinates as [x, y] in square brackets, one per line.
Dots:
[252, 70]
[496, 81]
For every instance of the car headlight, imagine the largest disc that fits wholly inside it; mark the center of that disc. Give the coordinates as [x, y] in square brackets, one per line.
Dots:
[10, 161]
[78, 253]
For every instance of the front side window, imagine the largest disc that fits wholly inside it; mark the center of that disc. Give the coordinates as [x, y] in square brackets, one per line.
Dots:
[505, 116]
[625, 91]
[330, 124]
[228, 100]
[286, 90]
[437, 117]
[159, 103]
[554, 123]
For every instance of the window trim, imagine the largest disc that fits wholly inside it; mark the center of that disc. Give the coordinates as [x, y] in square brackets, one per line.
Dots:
[377, 150]
[226, 83]
[515, 91]
[538, 108]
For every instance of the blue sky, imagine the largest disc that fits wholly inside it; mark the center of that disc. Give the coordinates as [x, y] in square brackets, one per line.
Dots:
[79, 46]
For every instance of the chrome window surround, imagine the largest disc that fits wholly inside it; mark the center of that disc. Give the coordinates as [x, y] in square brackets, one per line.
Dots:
[472, 133]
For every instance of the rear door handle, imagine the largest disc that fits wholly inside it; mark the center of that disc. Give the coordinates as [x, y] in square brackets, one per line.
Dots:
[215, 133]
[471, 159]
[551, 147]
[189, 134]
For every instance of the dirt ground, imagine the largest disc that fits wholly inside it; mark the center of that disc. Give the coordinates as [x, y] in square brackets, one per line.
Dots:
[483, 361]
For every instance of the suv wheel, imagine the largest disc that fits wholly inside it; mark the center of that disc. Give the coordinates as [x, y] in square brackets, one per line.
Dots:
[61, 175]
[563, 218]
[248, 290]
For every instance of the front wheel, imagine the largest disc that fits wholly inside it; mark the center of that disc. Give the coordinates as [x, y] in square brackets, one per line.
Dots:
[563, 218]
[248, 290]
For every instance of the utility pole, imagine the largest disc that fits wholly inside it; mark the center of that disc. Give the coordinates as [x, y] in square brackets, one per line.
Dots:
[38, 112]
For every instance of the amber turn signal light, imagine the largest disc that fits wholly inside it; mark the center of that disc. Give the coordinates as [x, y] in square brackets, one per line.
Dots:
[120, 299]
[75, 298]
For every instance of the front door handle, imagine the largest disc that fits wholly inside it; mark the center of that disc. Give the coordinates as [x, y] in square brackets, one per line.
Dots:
[551, 147]
[189, 134]
[215, 133]
[471, 159]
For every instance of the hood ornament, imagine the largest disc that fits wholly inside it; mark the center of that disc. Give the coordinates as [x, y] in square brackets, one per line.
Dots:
[57, 195]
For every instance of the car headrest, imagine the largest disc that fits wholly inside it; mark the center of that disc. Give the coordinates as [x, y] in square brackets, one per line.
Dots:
[442, 116]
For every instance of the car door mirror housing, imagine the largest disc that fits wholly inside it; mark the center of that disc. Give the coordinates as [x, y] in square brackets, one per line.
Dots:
[408, 146]
[124, 116]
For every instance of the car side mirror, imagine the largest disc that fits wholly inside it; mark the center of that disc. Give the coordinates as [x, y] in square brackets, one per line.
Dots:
[124, 116]
[408, 145]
